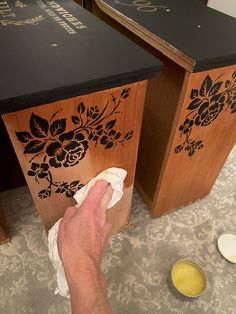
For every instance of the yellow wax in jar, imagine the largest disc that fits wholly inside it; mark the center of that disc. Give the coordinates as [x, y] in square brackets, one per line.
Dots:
[188, 278]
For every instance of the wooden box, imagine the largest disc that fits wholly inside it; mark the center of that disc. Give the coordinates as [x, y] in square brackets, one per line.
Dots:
[190, 111]
[72, 95]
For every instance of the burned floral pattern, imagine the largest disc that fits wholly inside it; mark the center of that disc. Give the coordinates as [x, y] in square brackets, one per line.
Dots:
[58, 147]
[206, 105]
[68, 150]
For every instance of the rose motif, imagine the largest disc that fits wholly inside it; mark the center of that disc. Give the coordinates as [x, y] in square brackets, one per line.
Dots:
[75, 153]
[231, 101]
[48, 140]
[206, 104]
[68, 151]
[208, 112]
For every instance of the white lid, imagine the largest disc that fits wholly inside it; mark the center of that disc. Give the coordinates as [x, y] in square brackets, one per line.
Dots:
[227, 246]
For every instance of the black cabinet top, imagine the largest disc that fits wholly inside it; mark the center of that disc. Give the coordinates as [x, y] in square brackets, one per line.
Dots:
[52, 50]
[206, 38]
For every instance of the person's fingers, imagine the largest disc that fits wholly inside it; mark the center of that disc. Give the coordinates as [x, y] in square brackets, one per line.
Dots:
[70, 211]
[101, 210]
[106, 198]
[95, 196]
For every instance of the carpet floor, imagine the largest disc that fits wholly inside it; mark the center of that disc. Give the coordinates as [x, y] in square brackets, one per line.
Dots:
[138, 259]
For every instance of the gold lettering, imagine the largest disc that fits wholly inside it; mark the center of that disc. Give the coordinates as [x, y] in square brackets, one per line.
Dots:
[4, 4]
[57, 18]
[81, 27]
[5, 10]
[50, 12]
[7, 13]
[51, 2]
[67, 27]
[66, 15]
[41, 4]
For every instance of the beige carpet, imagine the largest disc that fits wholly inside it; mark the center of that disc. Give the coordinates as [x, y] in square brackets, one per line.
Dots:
[137, 262]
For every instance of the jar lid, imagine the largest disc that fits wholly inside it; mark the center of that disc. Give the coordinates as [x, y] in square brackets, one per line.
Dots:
[227, 246]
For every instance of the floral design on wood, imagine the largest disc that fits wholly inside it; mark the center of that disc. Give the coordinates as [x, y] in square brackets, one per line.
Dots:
[205, 106]
[59, 147]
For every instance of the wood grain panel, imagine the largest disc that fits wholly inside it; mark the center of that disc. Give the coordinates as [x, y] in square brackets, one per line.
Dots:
[164, 179]
[193, 161]
[159, 113]
[76, 122]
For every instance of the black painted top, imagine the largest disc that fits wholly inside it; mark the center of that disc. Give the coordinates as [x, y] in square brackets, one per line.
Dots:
[51, 50]
[204, 34]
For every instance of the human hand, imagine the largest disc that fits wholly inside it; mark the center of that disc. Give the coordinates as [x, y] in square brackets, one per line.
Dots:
[84, 231]
[82, 238]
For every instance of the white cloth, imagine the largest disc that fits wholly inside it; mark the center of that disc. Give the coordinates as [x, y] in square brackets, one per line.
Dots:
[115, 176]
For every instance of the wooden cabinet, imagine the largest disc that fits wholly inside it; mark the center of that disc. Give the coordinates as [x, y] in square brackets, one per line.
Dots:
[72, 101]
[190, 110]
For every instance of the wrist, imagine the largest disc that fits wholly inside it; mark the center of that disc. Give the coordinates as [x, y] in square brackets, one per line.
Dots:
[86, 276]
[81, 269]
[88, 289]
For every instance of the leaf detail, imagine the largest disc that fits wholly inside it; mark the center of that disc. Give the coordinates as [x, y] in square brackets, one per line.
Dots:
[194, 93]
[74, 184]
[118, 135]
[206, 85]
[110, 124]
[70, 193]
[125, 93]
[233, 107]
[178, 149]
[34, 147]
[195, 104]
[39, 126]
[81, 108]
[58, 127]
[214, 89]
[112, 133]
[23, 137]
[191, 152]
[109, 145]
[75, 119]
[128, 135]
[45, 193]
[104, 140]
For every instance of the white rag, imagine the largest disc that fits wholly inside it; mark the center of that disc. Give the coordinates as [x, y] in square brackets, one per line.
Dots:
[114, 176]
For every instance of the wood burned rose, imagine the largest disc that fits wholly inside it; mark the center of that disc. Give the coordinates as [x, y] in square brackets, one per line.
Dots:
[68, 151]
[205, 106]
[209, 111]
